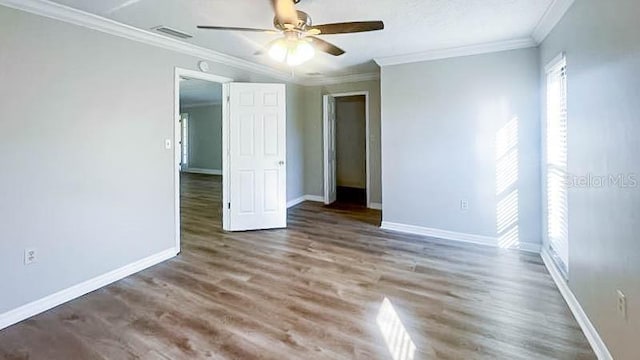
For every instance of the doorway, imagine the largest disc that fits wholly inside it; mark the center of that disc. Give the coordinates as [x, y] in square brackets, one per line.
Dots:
[250, 159]
[201, 127]
[346, 149]
[200, 111]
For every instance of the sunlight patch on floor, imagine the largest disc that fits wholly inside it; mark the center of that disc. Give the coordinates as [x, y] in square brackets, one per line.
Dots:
[395, 335]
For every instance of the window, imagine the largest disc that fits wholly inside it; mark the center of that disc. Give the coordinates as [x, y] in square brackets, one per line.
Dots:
[556, 162]
[184, 139]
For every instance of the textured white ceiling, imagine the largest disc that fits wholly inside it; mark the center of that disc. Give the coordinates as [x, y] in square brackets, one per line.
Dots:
[197, 92]
[411, 25]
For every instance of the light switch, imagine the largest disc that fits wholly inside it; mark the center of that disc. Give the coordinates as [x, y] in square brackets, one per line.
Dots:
[167, 144]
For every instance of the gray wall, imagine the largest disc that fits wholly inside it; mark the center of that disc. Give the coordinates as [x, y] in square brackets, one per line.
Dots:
[351, 142]
[88, 181]
[602, 46]
[295, 141]
[441, 131]
[313, 170]
[205, 137]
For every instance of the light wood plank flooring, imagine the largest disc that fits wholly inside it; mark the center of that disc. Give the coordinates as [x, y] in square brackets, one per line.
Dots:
[332, 286]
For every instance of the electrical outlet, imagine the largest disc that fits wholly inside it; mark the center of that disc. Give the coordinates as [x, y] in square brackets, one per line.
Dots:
[30, 256]
[622, 304]
[464, 204]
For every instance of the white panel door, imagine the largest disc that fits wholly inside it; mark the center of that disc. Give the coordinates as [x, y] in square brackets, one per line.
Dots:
[329, 149]
[257, 153]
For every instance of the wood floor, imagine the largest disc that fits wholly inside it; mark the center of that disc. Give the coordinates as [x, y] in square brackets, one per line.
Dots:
[332, 286]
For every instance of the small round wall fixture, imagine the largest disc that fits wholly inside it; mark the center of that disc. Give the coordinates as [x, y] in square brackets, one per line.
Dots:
[203, 66]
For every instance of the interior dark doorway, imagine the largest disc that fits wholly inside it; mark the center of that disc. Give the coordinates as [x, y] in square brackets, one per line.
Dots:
[351, 163]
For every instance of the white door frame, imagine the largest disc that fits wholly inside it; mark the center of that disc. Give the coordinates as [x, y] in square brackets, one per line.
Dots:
[191, 74]
[325, 145]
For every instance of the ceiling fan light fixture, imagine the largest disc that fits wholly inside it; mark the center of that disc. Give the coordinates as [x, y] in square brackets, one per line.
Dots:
[279, 50]
[299, 42]
[301, 53]
[292, 51]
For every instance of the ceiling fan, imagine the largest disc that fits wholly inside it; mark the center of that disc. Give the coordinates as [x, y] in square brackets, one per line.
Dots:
[299, 39]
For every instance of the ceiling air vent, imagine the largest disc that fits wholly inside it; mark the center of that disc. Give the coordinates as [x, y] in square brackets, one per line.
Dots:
[172, 32]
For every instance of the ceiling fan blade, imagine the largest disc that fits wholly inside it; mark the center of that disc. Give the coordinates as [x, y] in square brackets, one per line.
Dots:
[349, 27]
[325, 46]
[236, 29]
[285, 11]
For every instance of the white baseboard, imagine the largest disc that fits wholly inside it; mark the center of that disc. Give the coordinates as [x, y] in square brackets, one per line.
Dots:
[204, 171]
[314, 198]
[598, 346]
[375, 206]
[440, 234]
[529, 247]
[296, 201]
[454, 236]
[304, 198]
[317, 198]
[49, 302]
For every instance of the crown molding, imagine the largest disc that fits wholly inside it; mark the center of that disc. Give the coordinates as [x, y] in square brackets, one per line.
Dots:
[332, 80]
[457, 52]
[550, 19]
[70, 15]
[81, 18]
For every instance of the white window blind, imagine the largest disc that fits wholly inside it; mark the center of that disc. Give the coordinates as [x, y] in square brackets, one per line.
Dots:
[556, 162]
